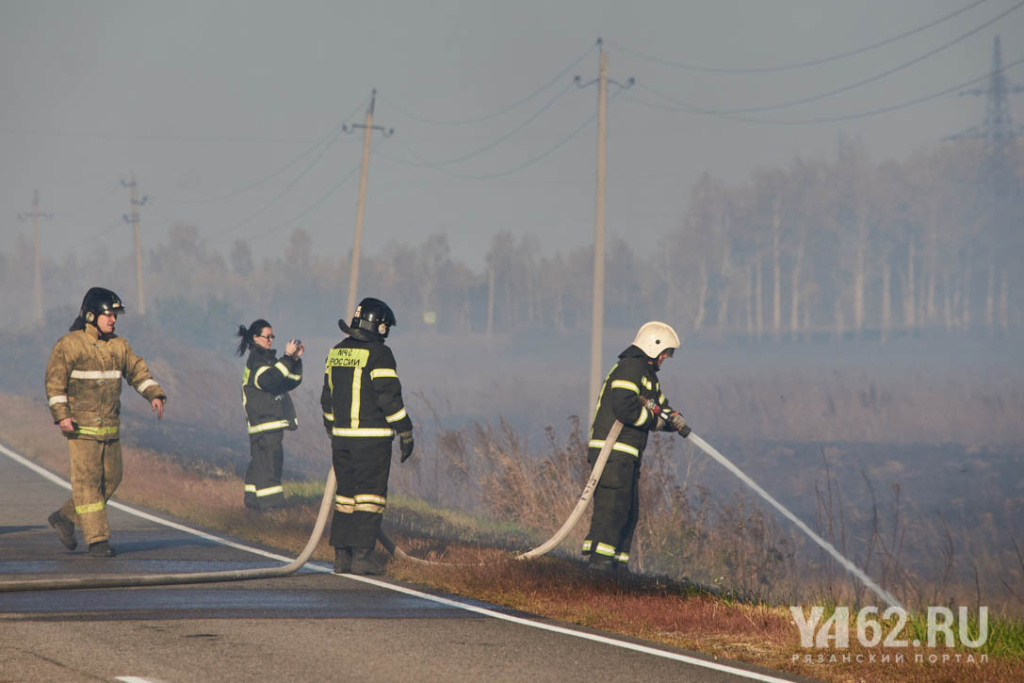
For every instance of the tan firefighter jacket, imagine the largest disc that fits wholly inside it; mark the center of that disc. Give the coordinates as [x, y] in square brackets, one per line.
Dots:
[83, 382]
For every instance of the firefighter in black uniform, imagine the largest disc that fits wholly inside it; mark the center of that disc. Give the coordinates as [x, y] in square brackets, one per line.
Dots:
[269, 410]
[363, 410]
[631, 394]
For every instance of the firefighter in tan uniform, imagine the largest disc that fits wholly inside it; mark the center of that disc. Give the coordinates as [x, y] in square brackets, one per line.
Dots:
[83, 389]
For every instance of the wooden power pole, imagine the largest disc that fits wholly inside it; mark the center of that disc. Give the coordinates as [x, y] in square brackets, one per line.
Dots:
[597, 317]
[37, 275]
[353, 275]
[133, 220]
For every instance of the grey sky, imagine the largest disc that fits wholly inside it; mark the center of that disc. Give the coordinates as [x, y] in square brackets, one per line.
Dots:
[202, 99]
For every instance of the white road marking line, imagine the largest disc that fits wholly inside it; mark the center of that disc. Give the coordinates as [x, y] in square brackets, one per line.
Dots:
[743, 673]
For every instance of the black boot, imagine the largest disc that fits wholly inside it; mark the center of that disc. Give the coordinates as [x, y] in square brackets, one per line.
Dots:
[600, 564]
[363, 562]
[342, 560]
[65, 529]
[101, 549]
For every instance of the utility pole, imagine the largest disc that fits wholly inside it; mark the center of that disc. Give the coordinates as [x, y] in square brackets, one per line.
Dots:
[133, 220]
[998, 130]
[37, 275]
[368, 127]
[597, 298]
[1000, 194]
[490, 300]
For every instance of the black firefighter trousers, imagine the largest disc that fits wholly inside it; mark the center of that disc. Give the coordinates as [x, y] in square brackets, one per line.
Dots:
[263, 489]
[362, 466]
[616, 509]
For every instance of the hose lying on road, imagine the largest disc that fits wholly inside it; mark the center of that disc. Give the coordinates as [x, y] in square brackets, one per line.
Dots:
[390, 546]
[131, 581]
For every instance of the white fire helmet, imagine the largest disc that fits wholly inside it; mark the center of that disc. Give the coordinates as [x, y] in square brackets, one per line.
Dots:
[654, 338]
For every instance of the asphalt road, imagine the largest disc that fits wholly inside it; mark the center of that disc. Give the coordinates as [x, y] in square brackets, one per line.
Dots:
[311, 626]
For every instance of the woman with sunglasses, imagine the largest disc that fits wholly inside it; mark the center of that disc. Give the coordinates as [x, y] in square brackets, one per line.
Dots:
[268, 409]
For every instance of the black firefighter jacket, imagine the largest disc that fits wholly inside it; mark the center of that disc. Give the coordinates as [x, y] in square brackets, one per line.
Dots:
[632, 377]
[362, 396]
[265, 386]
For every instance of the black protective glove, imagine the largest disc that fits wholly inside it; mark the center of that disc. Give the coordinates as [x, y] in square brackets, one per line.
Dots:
[405, 445]
[667, 422]
[677, 423]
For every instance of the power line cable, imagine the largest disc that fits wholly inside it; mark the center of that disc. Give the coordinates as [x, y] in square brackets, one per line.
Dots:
[287, 188]
[796, 65]
[689, 109]
[493, 144]
[870, 79]
[110, 227]
[332, 132]
[327, 195]
[534, 160]
[91, 206]
[150, 137]
[500, 112]
[90, 238]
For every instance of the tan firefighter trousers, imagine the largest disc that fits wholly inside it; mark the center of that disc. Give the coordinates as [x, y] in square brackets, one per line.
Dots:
[95, 473]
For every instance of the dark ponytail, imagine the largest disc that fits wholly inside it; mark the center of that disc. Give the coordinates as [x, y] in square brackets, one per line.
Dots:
[245, 342]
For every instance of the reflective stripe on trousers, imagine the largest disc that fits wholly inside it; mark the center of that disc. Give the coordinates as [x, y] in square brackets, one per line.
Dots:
[96, 471]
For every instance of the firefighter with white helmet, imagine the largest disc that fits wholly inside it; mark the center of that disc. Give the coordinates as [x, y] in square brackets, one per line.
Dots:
[83, 389]
[632, 395]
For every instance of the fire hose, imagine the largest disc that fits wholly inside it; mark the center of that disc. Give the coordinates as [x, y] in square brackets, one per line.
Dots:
[127, 581]
[131, 581]
[595, 476]
[828, 547]
[567, 526]
[581, 504]
[570, 523]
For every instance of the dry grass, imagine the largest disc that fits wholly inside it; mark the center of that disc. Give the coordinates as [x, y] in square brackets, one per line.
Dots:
[674, 613]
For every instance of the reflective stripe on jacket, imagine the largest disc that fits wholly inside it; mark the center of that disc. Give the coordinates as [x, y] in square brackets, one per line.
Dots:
[83, 381]
[362, 395]
[632, 377]
[266, 382]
